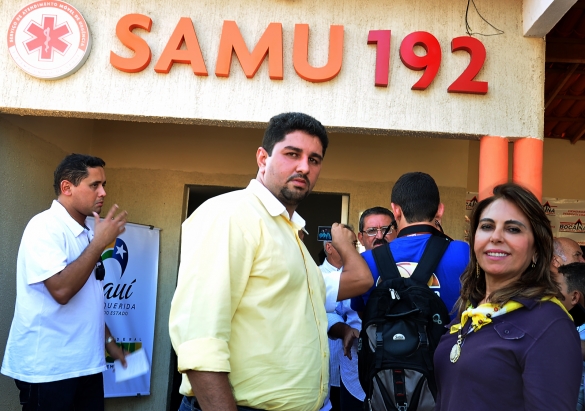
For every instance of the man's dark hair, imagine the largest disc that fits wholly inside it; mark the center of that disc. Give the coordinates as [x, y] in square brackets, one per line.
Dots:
[418, 196]
[73, 168]
[376, 211]
[574, 276]
[285, 123]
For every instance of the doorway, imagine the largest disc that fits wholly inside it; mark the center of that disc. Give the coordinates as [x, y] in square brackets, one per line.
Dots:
[318, 209]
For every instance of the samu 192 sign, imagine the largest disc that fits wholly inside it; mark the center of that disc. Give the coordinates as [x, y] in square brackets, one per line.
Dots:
[49, 39]
[183, 48]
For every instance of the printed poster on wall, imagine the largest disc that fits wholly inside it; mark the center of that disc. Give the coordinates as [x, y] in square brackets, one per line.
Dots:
[567, 218]
[470, 203]
[130, 284]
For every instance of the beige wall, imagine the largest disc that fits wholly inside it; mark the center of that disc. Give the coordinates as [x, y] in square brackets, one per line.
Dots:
[563, 168]
[26, 186]
[514, 68]
[363, 166]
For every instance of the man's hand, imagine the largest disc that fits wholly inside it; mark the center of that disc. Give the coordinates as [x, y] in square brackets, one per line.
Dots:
[64, 285]
[356, 277]
[108, 229]
[117, 353]
[346, 334]
[342, 239]
[350, 335]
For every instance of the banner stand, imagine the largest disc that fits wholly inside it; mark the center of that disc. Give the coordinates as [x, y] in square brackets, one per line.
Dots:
[130, 287]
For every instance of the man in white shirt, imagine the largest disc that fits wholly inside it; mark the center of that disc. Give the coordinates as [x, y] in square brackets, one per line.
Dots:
[333, 264]
[345, 324]
[55, 349]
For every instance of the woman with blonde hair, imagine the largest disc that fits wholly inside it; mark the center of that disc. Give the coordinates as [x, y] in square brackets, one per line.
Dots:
[512, 346]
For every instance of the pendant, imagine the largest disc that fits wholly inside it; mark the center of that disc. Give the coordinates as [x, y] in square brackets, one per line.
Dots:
[455, 352]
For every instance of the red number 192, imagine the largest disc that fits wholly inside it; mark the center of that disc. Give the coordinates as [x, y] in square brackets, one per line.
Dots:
[465, 82]
[431, 61]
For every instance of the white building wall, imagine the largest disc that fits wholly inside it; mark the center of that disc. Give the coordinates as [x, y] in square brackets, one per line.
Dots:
[514, 68]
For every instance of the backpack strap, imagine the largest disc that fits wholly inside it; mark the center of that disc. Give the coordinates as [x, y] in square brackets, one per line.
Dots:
[385, 262]
[434, 251]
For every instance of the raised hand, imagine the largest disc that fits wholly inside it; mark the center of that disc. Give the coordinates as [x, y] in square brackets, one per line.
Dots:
[108, 229]
[342, 239]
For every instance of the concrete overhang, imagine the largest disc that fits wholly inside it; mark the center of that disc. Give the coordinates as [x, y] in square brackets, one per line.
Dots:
[540, 16]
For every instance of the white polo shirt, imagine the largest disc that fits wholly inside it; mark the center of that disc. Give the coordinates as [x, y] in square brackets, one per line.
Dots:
[49, 341]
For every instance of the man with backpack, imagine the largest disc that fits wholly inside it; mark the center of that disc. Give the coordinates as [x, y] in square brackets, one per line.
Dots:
[403, 322]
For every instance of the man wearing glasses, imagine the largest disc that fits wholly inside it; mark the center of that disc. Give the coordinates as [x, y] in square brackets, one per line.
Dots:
[374, 223]
[333, 264]
[55, 350]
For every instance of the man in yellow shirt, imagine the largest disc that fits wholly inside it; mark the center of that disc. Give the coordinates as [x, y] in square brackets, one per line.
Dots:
[248, 318]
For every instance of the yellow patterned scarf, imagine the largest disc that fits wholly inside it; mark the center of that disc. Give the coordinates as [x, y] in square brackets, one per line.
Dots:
[483, 314]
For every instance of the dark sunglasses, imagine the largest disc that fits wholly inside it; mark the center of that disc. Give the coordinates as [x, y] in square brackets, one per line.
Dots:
[100, 270]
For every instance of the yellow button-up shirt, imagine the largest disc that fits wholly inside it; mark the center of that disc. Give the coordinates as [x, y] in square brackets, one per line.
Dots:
[250, 302]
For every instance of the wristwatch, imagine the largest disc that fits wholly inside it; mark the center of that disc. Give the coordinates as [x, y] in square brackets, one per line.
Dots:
[110, 339]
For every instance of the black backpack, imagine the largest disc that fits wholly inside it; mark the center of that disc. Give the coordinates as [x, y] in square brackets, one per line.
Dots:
[401, 327]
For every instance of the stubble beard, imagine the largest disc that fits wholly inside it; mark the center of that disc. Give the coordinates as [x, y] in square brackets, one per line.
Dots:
[292, 197]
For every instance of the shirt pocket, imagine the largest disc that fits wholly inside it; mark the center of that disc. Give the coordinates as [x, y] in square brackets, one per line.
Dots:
[509, 331]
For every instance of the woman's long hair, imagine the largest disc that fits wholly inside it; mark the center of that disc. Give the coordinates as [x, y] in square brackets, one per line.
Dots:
[534, 282]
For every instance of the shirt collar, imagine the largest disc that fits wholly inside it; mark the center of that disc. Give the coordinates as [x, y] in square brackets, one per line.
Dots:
[529, 303]
[273, 205]
[62, 214]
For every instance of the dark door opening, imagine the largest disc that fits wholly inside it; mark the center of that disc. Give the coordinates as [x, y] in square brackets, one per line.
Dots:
[318, 209]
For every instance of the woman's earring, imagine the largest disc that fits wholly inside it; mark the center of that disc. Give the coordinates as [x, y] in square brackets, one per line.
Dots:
[477, 270]
[533, 265]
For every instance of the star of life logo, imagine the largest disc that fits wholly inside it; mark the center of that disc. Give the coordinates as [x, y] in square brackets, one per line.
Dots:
[49, 39]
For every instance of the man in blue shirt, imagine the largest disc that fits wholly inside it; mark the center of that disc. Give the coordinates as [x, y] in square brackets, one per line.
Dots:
[417, 208]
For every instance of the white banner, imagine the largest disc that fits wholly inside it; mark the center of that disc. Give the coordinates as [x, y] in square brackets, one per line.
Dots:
[567, 218]
[130, 284]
